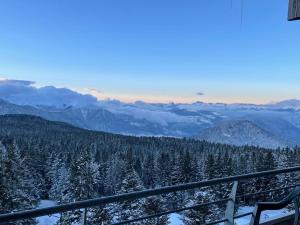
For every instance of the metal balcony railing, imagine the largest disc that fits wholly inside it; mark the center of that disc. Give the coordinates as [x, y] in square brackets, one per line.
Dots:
[229, 213]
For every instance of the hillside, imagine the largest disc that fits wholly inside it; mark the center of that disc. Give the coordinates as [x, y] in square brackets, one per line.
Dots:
[241, 132]
[130, 120]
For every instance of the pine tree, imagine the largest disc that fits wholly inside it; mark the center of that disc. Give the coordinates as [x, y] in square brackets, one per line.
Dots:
[154, 205]
[210, 167]
[197, 216]
[163, 169]
[227, 165]
[148, 173]
[176, 199]
[102, 179]
[17, 181]
[81, 185]
[100, 215]
[131, 182]
[83, 175]
[5, 197]
[60, 182]
[265, 162]
[115, 174]
[187, 169]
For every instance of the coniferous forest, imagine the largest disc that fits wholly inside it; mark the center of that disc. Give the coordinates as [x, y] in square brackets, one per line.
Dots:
[40, 159]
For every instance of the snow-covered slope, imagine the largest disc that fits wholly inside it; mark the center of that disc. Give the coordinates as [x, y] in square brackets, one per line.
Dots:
[241, 132]
[266, 127]
[124, 119]
[279, 124]
[287, 104]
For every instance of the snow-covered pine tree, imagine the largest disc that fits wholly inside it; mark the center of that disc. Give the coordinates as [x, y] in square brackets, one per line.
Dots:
[17, 181]
[82, 185]
[149, 177]
[198, 215]
[210, 171]
[264, 162]
[103, 213]
[102, 173]
[188, 169]
[115, 174]
[288, 158]
[5, 197]
[100, 215]
[227, 165]
[59, 175]
[163, 169]
[154, 205]
[131, 182]
[83, 176]
[175, 200]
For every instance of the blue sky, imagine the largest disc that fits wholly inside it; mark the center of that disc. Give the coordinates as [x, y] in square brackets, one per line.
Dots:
[154, 50]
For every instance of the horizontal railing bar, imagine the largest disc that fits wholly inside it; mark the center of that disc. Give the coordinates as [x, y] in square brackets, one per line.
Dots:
[216, 222]
[267, 191]
[202, 205]
[171, 211]
[136, 195]
[242, 215]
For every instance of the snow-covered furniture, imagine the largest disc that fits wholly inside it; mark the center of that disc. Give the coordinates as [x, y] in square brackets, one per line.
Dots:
[262, 206]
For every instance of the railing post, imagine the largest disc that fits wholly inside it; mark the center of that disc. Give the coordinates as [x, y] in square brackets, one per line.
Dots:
[229, 213]
[296, 204]
[84, 216]
[255, 216]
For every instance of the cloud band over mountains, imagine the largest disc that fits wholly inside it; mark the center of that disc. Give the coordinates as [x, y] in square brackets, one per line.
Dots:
[24, 93]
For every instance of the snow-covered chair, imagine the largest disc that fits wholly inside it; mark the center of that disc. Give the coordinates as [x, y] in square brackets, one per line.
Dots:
[262, 206]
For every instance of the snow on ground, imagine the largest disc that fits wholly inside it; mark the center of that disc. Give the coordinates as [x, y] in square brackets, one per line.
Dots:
[47, 220]
[175, 219]
[265, 216]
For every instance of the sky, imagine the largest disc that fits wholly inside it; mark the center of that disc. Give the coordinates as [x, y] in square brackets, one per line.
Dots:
[154, 50]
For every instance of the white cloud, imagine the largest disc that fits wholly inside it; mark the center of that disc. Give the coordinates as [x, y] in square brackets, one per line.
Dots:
[24, 93]
[4, 81]
[91, 91]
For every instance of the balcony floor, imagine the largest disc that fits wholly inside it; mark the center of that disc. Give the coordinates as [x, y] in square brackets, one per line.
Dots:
[286, 220]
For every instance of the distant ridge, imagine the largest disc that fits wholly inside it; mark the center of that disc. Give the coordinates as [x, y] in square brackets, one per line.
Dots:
[241, 132]
[287, 104]
[278, 125]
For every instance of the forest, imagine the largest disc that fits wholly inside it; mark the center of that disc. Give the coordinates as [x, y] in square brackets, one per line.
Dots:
[40, 159]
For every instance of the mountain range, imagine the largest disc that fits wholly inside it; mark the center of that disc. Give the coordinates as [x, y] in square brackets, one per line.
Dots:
[267, 125]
